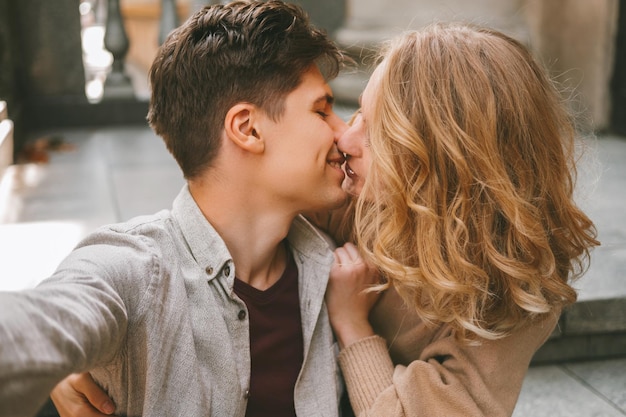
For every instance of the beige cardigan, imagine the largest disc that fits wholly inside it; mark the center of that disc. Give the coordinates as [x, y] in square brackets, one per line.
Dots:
[416, 371]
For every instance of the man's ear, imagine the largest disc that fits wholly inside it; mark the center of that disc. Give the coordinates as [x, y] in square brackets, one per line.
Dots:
[240, 126]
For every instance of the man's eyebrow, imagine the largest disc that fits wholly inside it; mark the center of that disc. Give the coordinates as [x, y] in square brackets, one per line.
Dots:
[329, 99]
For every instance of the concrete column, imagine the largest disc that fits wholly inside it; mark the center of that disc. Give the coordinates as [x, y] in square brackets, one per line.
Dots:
[169, 19]
[576, 41]
[326, 14]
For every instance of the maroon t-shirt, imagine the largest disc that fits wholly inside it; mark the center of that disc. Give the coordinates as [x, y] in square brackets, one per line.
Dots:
[276, 345]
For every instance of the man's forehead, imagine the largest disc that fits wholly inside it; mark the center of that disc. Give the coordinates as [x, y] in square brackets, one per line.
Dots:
[315, 87]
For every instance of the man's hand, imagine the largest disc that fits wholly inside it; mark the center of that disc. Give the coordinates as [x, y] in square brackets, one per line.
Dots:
[79, 396]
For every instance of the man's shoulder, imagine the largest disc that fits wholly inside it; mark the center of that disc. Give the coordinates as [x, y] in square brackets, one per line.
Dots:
[151, 230]
[122, 252]
[142, 224]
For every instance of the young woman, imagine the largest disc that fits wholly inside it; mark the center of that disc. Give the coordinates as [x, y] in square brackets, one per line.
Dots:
[462, 163]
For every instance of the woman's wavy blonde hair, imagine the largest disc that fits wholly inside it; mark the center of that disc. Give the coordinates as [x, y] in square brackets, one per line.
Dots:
[473, 220]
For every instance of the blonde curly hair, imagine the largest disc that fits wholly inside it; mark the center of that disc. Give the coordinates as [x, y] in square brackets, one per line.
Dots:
[472, 219]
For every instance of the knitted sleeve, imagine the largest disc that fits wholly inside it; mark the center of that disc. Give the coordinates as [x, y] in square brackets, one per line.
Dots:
[448, 379]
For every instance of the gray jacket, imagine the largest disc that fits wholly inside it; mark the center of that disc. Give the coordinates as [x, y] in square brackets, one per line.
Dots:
[150, 305]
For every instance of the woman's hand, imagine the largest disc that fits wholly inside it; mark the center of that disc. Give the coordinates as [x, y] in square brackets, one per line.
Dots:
[79, 396]
[347, 298]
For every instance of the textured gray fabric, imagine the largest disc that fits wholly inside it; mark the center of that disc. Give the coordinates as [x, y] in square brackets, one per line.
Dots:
[149, 306]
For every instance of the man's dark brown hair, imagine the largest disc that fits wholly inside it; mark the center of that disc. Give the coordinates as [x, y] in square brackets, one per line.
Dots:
[243, 51]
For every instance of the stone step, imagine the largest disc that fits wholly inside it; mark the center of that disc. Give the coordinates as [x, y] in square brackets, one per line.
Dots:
[587, 330]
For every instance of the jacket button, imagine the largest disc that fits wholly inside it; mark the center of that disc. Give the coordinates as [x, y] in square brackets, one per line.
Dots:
[246, 394]
[227, 270]
[242, 314]
[208, 270]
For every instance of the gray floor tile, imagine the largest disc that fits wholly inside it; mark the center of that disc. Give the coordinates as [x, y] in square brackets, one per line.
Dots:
[66, 194]
[601, 187]
[145, 190]
[602, 196]
[606, 278]
[51, 192]
[133, 146]
[608, 378]
[48, 207]
[549, 391]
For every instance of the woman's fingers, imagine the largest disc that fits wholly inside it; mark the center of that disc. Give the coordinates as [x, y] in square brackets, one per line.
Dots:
[347, 254]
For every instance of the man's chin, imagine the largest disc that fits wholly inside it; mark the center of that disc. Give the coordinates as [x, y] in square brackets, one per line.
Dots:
[339, 202]
[342, 202]
[349, 188]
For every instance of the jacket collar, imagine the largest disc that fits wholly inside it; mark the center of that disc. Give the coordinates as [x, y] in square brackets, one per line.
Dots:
[205, 244]
[210, 252]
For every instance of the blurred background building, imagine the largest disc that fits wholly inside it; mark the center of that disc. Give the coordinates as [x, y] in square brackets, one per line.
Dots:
[85, 62]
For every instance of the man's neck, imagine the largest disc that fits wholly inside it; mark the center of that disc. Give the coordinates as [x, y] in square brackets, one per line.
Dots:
[253, 234]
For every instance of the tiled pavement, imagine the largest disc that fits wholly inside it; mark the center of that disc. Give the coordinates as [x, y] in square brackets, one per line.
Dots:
[115, 173]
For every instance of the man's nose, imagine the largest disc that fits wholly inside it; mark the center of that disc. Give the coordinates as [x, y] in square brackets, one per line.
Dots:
[338, 125]
[345, 142]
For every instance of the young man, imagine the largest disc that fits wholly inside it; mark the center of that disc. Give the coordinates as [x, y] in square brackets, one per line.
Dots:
[215, 307]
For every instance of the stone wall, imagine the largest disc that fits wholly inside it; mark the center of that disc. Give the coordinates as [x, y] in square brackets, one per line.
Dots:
[9, 64]
[576, 41]
[50, 47]
[40, 56]
[574, 38]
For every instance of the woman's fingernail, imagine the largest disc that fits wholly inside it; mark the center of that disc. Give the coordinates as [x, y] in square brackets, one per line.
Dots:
[108, 407]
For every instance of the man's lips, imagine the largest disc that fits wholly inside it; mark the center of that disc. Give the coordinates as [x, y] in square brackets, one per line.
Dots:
[349, 172]
[336, 162]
